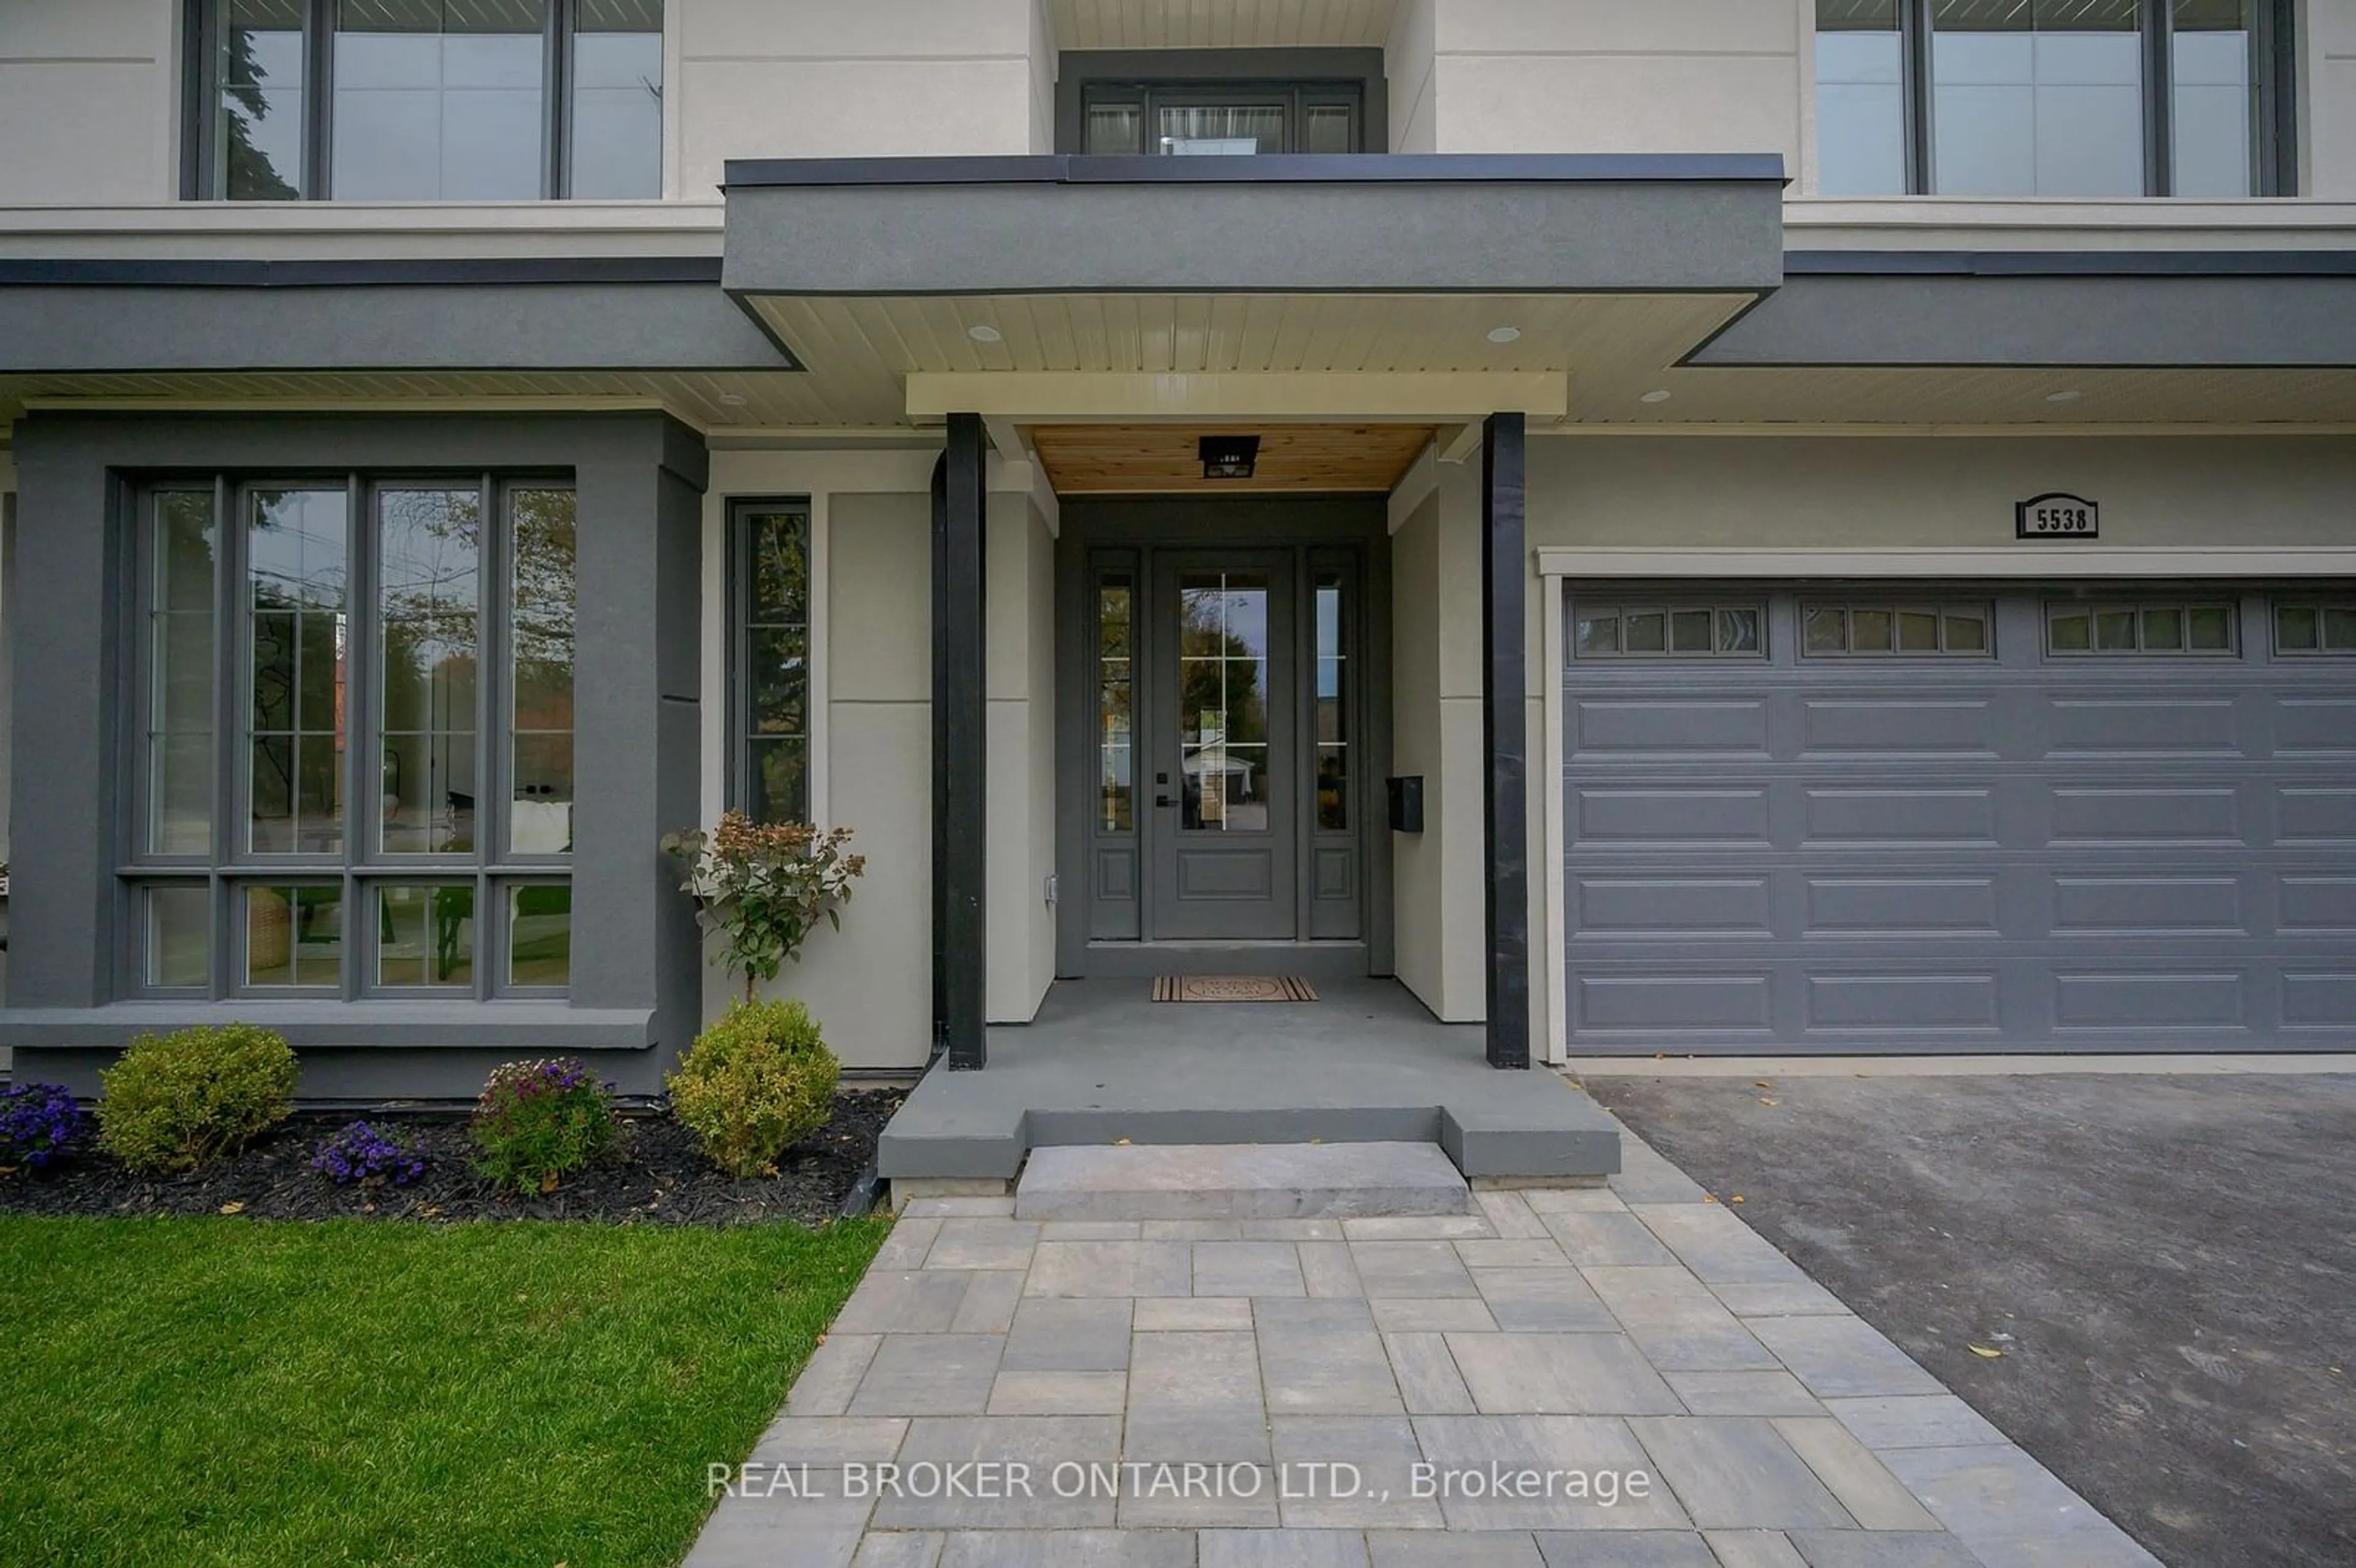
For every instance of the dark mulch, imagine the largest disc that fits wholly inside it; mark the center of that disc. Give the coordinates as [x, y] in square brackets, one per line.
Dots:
[658, 1177]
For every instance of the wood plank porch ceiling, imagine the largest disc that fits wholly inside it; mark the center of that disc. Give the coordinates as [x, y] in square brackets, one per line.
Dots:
[1132, 460]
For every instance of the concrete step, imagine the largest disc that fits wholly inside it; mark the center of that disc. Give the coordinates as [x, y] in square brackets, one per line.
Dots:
[1238, 1181]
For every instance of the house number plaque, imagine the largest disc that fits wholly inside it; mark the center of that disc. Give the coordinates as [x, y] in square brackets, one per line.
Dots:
[2057, 516]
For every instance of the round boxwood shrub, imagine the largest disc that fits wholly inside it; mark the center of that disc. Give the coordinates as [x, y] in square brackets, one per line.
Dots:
[175, 1101]
[39, 1124]
[539, 1122]
[754, 1084]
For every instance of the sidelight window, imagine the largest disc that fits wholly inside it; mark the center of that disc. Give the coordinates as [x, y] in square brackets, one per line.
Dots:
[771, 677]
[426, 100]
[315, 801]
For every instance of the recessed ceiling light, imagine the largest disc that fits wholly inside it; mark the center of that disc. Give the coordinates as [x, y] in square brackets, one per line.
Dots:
[733, 399]
[1658, 395]
[2070, 396]
[982, 332]
[1505, 334]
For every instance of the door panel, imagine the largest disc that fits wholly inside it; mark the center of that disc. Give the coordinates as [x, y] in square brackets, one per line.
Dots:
[1223, 748]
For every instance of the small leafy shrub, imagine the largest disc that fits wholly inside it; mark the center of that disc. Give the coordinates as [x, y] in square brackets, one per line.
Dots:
[39, 1124]
[754, 1084]
[539, 1122]
[763, 887]
[175, 1101]
[359, 1153]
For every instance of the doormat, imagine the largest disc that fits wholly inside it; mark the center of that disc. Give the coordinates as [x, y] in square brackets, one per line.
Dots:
[1232, 989]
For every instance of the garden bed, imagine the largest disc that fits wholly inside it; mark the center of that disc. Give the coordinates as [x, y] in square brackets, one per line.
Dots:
[657, 1177]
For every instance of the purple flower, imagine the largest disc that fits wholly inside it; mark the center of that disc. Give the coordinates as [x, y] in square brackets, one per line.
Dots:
[39, 1123]
[358, 1152]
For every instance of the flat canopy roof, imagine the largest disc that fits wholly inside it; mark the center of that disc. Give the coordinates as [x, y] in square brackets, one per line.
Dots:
[1369, 223]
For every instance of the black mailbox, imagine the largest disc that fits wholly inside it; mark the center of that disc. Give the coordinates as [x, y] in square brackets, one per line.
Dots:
[1406, 804]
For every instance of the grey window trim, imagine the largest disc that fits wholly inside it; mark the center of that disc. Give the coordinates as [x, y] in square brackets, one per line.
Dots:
[1939, 608]
[2231, 604]
[361, 866]
[2274, 55]
[1080, 71]
[200, 92]
[2319, 603]
[1622, 608]
[737, 788]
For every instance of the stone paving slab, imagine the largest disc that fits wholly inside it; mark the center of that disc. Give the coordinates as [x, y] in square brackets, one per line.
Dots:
[1191, 1392]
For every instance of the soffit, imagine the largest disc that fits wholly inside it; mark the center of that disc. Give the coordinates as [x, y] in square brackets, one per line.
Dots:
[1976, 396]
[1221, 24]
[860, 350]
[1118, 459]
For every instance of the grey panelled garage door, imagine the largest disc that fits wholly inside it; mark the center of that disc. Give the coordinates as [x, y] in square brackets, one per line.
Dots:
[1853, 820]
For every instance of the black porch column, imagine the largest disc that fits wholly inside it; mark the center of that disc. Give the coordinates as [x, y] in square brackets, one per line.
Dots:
[1505, 740]
[960, 715]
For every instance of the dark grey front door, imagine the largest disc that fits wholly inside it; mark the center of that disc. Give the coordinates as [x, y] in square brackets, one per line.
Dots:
[1223, 748]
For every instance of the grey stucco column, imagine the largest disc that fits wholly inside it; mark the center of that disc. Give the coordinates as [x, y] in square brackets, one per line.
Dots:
[1505, 740]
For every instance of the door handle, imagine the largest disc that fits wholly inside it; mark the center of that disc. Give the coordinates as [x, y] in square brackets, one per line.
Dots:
[1164, 802]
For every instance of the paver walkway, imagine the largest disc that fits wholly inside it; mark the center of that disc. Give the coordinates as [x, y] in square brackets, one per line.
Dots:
[1622, 1377]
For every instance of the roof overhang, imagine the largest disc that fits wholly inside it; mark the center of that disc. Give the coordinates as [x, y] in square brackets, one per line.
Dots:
[1426, 223]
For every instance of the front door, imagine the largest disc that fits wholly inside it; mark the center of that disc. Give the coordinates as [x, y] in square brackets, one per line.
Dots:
[1223, 748]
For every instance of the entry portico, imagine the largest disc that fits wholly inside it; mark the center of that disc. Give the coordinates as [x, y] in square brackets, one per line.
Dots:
[1241, 664]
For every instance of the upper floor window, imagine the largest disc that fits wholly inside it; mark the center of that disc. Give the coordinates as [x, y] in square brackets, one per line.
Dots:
[2070, 98]
[428, 100]
[1179, 119]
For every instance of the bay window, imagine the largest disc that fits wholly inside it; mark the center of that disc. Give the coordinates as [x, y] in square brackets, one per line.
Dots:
[2054, 98]
[357, 737]
[426, 100]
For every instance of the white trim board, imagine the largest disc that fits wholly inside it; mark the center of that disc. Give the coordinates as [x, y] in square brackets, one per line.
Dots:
[2034, 561]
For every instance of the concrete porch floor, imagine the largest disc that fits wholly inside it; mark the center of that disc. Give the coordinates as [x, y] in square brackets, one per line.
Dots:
[1364, 1063]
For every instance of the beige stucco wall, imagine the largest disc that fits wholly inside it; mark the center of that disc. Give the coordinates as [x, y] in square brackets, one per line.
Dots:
[871, 982]
[88, 92]
[1834, 491]
[1435, 732]
[1602, 76]
[851, 79]
[1020, 794]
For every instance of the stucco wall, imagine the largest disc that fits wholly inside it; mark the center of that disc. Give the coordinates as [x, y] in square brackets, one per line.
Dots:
[1869, 491]
[870, 983]
[870, 79]
[1435, 717]
[88, 89]
[1021, 794]
[1601, 76]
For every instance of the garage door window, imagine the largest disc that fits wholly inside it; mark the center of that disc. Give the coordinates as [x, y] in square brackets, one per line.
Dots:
[1672, 631]
[1832, 630]
[2316, 628]
[2074, 629]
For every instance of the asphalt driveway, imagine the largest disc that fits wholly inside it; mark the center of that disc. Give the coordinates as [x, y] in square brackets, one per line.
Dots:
[2167, 1264]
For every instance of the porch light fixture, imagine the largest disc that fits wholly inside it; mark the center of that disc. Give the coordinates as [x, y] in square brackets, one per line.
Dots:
[1229, 456]
[982, 332]
[1505, 334]
[2067, 396]
[1657, 396]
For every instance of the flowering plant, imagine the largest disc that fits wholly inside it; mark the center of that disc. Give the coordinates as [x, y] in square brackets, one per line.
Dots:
[763, 887]
[538, 1122]
[39, 1122]
[358, 1152]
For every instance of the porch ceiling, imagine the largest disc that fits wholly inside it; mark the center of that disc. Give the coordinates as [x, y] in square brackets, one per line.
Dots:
[1114, 460]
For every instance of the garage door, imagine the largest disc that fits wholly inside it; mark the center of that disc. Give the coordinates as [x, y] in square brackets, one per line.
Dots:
[1865, 820]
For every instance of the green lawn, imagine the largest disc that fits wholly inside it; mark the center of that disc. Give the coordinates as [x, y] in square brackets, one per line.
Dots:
[215, 1392]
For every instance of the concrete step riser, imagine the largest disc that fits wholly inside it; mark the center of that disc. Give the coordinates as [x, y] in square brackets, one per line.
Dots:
[1240, 1181]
